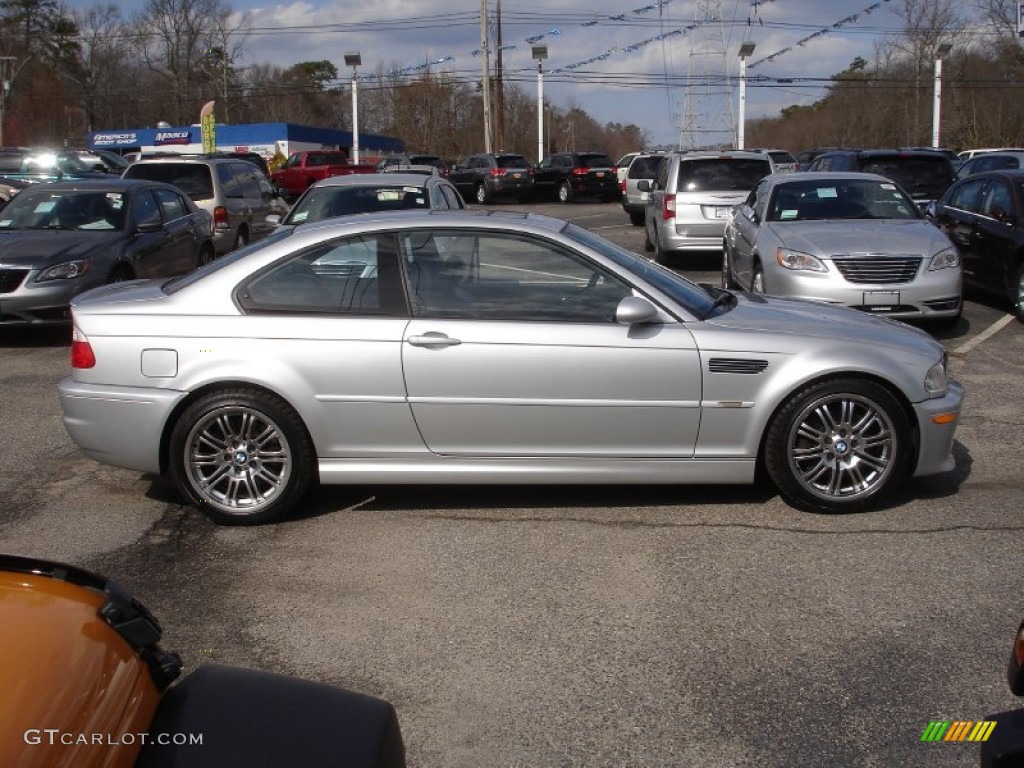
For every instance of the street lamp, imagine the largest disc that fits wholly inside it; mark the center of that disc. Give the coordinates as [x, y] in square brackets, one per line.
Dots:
[354, 60]
[940, 52]
[746, 51]
[540, 52]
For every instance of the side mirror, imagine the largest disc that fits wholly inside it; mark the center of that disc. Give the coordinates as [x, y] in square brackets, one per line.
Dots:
[273, 219]
[633, 310]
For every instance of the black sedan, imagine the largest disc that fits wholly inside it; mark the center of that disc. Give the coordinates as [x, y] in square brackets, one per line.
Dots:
[983, 215]
[62, 238]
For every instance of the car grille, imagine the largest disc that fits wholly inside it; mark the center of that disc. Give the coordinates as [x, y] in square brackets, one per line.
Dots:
[10, 279]
[877, 268]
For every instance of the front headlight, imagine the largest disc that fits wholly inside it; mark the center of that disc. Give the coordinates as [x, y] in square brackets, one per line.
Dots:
[799, 261]
[945, 258]
[935, 381]
[66, 271]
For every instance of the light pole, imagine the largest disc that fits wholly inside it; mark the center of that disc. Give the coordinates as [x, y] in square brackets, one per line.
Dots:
[940, 52]
[354, 60]
[746, 50]
[540, 52]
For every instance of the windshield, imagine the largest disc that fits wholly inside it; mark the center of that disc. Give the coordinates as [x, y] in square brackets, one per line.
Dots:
[693, 297]
[321, 203]
[815, 199]
[40, 208]
[916, 174]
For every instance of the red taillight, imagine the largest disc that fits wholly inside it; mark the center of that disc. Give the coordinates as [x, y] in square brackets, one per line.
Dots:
[220, 218]
[81, 351]
[668, 207]
[497, 171]
[580, 171]
[622, 186]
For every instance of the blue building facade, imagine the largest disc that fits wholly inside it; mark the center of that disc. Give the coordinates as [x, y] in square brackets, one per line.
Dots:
[266, 139]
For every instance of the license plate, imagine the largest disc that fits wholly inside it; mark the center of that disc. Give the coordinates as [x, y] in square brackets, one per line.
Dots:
[882, 299]
[722, 211]
[517, 175]
[600, 174]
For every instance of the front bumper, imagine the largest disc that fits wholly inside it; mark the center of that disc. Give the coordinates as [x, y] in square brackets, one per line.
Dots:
[32, 303]
[935, 454]
[120, 426]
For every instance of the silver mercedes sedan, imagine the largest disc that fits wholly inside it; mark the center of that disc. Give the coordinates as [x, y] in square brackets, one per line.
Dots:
[855, 239]
[490, 347]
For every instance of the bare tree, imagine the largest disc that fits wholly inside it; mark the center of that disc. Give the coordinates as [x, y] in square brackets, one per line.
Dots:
[95, 53]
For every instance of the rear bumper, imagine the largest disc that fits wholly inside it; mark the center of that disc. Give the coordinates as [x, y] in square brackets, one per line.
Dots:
[120, 426]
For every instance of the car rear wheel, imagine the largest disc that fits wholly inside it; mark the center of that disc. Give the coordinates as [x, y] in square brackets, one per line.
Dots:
[648, 245]
[242, 456]
[242, 238]
[636, 218]
[838, 446]
[564, 192]
[206, 255]
[1018, 307]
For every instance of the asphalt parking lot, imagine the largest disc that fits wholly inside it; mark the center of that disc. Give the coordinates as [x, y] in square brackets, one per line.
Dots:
[565, 626]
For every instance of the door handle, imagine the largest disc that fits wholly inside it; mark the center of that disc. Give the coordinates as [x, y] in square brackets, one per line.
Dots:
[433, 339]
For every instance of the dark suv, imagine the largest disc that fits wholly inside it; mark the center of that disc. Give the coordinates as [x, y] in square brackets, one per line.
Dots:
[484, 177]
[924, 174]
[564, 175]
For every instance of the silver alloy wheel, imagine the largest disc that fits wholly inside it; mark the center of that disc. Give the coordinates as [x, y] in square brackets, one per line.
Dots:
[237, 459]
[564, 193]
[842, 446]
[481, 194]
[1019, 308]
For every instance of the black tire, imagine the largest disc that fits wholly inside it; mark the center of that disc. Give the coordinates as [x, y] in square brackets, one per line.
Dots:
[728, 282]
[757, 280]
[636, 218]
[241, 239]
[660, 256]
[946, 323]
[242, 456]
[206, 254]
[838, 446]
[1018, 298]
[648, 245]
[120, 273]
[483, 196]
[564, 192]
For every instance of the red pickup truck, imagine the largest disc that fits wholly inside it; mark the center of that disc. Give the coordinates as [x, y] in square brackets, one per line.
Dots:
[303, 169]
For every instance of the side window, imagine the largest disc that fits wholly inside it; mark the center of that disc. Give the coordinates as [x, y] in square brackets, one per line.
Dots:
[662, 178]
[230, 183]
[452, 197]
[997, 201]
[145, 211]
[760, 199]
[348, 276]
[246, 175]
[967, 197]
[505, 276]
[171, 204]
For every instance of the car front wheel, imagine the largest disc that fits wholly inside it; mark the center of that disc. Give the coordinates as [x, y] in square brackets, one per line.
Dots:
[564, 192]
[757, 280]
[482, 195]
[838, 446]
[242, 456]
[727, 280]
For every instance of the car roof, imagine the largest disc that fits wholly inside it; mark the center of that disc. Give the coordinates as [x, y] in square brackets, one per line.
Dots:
[709, 154]
[440, 218]
[814, 178]
[371, 179]
[114, 183]
[1013, 174]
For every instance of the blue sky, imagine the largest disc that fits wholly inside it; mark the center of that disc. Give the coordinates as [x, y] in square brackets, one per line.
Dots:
[608, 65]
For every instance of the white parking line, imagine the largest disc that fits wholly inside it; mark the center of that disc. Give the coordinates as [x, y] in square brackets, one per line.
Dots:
[999, 324]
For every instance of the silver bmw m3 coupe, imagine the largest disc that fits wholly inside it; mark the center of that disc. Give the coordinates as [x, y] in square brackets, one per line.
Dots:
[491, 347]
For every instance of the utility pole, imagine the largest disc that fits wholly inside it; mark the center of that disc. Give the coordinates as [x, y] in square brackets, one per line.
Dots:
[485, 71]
[7, 64]
[499, 88]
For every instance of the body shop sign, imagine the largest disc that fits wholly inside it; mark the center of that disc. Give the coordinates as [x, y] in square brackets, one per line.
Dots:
[165, 138]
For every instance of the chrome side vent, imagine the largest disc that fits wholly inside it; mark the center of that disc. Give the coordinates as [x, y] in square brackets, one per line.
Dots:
[727, 365]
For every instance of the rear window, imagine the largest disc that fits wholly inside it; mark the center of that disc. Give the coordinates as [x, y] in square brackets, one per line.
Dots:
[194, 179]
[433, 160]
[512, 161]
[328, 202]
[595, 161]
[721, 173]
[782, 157]
[645, 167]
[917, 174]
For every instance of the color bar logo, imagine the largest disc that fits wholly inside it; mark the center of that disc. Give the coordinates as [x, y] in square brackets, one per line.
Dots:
[958, 730]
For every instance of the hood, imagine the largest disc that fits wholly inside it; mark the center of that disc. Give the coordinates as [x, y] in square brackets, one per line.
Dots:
[39, 249]
[892, 236]
[772, 315]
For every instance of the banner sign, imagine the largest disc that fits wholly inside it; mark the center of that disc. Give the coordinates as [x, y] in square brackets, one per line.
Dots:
[208, 125]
